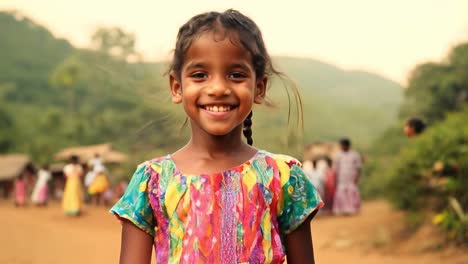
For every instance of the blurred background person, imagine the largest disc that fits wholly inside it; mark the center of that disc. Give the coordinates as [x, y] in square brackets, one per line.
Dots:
[20, 190]
[41, 189]
[348, 168]
[315, 175]
[329, 185]
[73, 193]
[413, 127]
[99, 185]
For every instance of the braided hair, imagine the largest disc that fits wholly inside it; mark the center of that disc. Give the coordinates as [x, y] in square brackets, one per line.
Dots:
[247, 130]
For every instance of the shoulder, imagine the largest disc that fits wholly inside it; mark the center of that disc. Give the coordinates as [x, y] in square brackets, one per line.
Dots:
[153, 168]
[283, 166]
[150, 164]
[281, 159]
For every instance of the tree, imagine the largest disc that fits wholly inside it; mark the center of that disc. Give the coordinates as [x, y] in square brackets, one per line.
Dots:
[437, 88]
[115, 42]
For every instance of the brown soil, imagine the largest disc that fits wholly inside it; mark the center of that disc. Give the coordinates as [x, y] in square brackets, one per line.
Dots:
[45, 236]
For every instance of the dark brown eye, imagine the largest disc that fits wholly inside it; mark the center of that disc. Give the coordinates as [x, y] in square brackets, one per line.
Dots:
[237, 76]
[199, 75]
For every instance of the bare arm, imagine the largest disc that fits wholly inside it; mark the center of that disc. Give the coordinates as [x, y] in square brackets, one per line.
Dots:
[136, 245]
[299, 246]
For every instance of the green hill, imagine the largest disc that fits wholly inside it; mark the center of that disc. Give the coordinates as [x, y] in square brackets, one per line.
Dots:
[107, 99]
[340, 103]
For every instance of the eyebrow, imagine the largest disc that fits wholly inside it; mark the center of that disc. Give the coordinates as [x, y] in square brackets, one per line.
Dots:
[241, 65]
[195, 65]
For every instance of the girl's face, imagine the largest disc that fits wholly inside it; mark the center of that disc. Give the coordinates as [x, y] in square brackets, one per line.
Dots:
[217, 84]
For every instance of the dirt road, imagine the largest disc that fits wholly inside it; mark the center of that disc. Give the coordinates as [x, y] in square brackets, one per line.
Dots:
[45, 236]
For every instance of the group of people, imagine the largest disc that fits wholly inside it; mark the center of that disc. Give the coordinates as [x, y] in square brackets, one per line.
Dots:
[337, 182]
[39, 193]
[88, 183]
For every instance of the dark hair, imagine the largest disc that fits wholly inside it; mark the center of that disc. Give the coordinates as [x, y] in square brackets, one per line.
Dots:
[314, 163]
[74, 159]
[242, 31]
[30, 168]
[417, 124]
[345, 142]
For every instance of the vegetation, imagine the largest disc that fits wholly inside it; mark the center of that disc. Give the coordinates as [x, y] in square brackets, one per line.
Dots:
[429, 174]
[53, 95]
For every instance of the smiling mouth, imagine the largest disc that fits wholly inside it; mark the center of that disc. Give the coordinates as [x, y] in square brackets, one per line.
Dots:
[218, 108]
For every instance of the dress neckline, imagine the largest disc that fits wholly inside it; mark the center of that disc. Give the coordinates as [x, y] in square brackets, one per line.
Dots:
[234, 168]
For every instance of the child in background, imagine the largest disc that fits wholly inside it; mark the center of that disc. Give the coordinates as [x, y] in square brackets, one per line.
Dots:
[329, 185]
[20, 191]
[41, 189]
[218, 199]
[315, 175]
[99, 185]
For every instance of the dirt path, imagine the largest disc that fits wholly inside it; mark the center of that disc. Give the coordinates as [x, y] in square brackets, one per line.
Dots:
[46, 236]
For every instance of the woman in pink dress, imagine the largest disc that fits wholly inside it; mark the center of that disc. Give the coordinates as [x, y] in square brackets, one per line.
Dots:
[348, 167]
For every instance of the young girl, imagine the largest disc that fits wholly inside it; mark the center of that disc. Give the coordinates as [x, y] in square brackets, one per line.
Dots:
[20, 190]
[218, 199]
[40, 193]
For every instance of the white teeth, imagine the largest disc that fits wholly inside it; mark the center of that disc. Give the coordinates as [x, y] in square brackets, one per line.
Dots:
[220, 108]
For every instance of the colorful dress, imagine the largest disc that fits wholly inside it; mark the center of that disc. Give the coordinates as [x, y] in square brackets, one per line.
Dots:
[347, 197]
[20, 191]
[73, 193]
[99, 185]
[39, 194]
[240, 215]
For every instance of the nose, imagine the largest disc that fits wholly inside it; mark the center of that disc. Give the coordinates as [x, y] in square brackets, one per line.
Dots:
[219, 86]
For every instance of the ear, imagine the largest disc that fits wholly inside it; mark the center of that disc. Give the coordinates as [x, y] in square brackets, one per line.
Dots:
[260, 90]
[176, 89]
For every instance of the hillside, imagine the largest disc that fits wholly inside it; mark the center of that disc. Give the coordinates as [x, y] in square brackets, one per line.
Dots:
[106, 99]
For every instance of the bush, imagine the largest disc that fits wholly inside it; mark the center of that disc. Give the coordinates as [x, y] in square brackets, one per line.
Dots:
[432, 170]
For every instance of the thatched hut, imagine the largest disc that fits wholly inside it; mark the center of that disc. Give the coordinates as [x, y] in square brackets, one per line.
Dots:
[110, 157]
[11, 166]
[85, 153]
[320, 150]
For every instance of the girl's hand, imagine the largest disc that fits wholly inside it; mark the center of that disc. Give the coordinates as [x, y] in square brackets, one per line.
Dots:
[299, 248]
[136, 246]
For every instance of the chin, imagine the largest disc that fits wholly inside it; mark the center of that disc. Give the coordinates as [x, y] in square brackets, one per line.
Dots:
[219, 131]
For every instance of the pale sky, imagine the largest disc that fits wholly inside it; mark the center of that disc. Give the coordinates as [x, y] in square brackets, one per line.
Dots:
[387, 37]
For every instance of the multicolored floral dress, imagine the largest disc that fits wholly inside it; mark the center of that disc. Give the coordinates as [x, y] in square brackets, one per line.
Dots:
[240, 215]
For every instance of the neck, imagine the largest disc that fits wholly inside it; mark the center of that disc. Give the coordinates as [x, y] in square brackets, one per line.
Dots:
[206, 144]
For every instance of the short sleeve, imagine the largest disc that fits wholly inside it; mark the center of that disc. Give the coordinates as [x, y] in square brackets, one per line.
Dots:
[134, 205]
[299, 198]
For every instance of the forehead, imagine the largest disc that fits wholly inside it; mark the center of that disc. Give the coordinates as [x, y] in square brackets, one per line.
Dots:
[217, 47]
